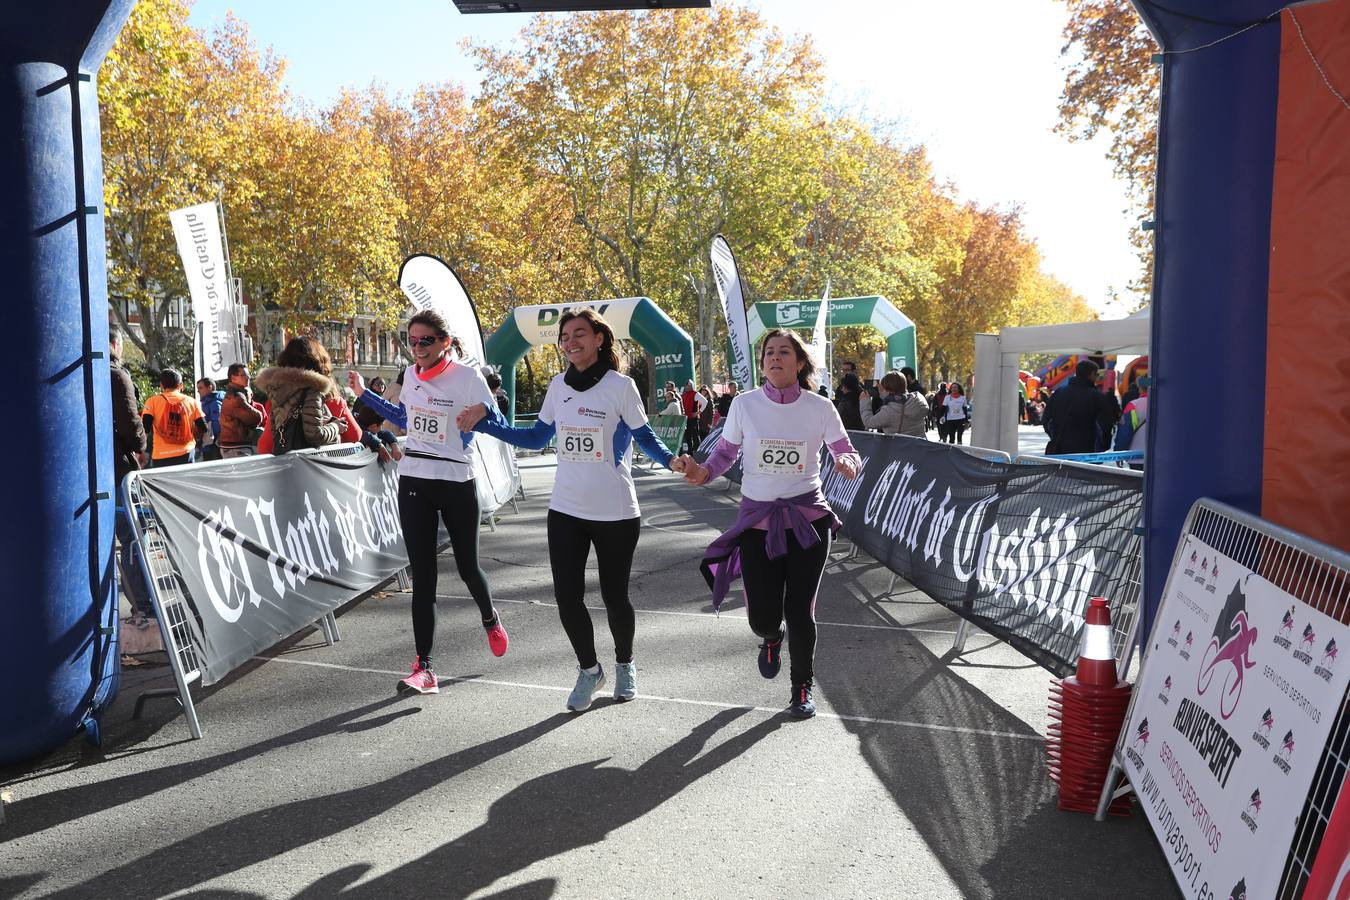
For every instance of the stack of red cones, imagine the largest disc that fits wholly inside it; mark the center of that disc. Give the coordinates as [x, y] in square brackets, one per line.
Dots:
[1088, 710]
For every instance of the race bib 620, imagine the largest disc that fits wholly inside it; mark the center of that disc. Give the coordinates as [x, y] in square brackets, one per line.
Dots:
[775, 456]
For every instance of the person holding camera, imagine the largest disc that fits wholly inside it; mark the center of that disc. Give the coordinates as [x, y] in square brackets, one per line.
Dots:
[902, 411]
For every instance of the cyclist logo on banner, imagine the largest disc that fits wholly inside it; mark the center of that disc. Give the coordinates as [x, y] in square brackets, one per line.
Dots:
[1232, 644]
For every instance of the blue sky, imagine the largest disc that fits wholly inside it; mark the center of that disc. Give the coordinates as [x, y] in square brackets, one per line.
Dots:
[977, 81]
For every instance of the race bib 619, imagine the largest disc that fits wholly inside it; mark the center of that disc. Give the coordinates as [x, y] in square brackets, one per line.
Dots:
[581, 443]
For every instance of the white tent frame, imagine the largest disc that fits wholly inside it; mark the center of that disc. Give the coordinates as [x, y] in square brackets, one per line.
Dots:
[998, 360]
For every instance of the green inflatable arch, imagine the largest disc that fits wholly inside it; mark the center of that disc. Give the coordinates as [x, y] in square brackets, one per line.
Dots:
[901, 338]
[632, 318]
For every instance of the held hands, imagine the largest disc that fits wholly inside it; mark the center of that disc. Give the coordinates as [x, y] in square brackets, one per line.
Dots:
[687, 466]
[847, 466]
[356, 382]
[470, 416]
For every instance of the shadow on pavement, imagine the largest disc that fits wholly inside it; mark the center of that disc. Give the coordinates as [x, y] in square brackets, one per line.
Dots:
[554, 813]
[68, 804]
[982, 803]
[266, 833]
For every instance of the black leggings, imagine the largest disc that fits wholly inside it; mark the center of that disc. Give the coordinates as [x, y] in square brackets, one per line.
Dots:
[954, 431]
[421, 501]
[569, 545]
[786, 588]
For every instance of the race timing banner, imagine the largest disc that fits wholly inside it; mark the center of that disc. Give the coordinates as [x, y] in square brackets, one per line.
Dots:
[1234, 705]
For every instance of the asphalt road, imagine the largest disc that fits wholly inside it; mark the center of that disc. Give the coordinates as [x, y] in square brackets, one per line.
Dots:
[923, 775]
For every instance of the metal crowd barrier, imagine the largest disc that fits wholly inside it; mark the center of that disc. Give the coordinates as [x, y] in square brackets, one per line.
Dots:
[169, 596]
[1319, 576]
[1125, 615]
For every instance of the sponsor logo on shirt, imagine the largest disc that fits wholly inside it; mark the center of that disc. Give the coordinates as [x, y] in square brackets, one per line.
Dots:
[592, 413]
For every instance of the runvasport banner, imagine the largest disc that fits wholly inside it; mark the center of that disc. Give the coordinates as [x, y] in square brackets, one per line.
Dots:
[1016, 549]
[270, 544]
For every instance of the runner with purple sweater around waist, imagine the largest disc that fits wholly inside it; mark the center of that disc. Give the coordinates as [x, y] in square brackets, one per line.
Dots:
[781, 538]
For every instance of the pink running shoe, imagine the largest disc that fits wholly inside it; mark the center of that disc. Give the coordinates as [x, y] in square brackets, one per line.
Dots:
[497, 639]
[422, 680]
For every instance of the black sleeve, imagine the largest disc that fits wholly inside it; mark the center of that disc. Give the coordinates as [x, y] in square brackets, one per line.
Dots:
[128, 429]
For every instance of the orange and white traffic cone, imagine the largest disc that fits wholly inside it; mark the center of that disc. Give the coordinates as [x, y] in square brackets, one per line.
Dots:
[1096, 665]
[1088, 710]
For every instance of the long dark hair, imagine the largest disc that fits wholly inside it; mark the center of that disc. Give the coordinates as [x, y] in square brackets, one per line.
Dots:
[608, 353]
[305, 352]
[806, 378]
[436, 322]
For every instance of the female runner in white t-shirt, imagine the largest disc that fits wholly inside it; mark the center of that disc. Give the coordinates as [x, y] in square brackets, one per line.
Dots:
[436, 481]
[781, 538]
[596, 414]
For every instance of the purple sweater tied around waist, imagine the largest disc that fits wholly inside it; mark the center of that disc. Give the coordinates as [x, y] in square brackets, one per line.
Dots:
[722, 560]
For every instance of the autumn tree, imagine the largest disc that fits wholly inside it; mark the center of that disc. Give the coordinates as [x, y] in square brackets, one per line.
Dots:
[318, 241]
[467, 198]
[1112, 83]
[663, 131]
[178, 116]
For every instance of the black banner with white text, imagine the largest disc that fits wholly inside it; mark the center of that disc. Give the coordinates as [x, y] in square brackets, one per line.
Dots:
[268, 545]
[1017, 549]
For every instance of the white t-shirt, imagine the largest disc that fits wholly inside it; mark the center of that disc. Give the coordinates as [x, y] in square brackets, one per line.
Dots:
[589, 484]
[780, 442]
[956, 407]
[432, 406]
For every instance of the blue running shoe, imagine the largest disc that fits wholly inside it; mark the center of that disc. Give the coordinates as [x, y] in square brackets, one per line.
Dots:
[770, 656]
[587, 685]
[802, 706]
[625, 681]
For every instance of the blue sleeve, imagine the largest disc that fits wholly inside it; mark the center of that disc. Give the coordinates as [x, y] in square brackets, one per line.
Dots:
[494, 424]
[1125, 433]
[652, 446]
[396, 414]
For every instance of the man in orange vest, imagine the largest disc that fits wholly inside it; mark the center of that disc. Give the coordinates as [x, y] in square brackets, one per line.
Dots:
[173, 422]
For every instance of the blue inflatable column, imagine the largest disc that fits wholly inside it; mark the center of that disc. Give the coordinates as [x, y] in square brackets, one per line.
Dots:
[1216, 156]
[57, 603]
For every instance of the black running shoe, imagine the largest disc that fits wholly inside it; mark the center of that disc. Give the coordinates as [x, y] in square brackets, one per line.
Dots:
[770, 657]
[802, 706]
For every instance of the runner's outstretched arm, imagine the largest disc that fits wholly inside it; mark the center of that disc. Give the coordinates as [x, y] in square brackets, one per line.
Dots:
[652, 446]
[490, 421]
[396, 413]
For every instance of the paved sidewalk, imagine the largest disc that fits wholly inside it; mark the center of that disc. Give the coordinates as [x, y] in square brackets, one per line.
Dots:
[922, 777]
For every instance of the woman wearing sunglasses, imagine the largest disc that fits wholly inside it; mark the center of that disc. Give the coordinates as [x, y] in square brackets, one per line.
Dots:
[436, 481]
[596, 413]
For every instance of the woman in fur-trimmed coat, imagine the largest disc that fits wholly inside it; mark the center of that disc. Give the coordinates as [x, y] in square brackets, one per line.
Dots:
[302, 377]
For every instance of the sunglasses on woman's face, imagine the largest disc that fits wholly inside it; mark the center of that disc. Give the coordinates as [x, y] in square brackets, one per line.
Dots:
[425, 341]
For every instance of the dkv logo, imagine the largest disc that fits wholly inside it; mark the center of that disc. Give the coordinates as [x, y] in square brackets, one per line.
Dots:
[549, 315]
[669, 359]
